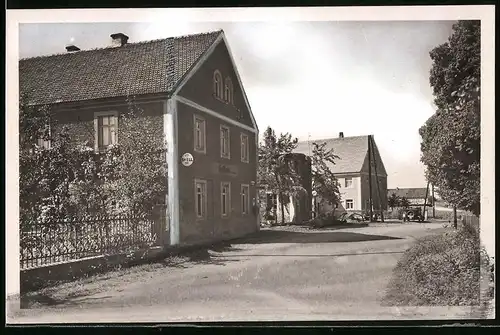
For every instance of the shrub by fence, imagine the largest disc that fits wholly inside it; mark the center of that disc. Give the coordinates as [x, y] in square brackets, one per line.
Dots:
[73, 239]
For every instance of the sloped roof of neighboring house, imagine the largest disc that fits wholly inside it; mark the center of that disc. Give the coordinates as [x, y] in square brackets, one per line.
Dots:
[409, 193]
[132, 69]
[351, 150]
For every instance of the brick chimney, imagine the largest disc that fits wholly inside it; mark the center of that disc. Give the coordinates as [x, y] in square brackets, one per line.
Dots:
[119, 39]
[72, 48]
[341, 135]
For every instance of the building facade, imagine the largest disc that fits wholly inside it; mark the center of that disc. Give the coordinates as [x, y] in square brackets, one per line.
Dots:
[352, 170]
[415, 196]
[190, 90]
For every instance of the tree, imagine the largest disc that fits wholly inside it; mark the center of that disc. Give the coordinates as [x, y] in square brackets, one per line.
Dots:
[140, 181]
[34, 125]
[276, 172]
[324, 181]
[405, 203]
[60, 181]
[394, 201]
[451, 137]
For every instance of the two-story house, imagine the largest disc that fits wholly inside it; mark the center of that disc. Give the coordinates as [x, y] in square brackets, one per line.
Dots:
[191, 87]
[353, 173]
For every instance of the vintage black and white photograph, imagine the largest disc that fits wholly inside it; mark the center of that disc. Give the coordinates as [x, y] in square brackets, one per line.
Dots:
[180, 165]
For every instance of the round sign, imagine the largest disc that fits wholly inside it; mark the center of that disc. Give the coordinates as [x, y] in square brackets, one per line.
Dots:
[187, 159]
[314, 193]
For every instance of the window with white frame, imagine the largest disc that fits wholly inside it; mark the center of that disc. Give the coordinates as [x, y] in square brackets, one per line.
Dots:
[245, 199]
[245, 154]
[200, 202]
[199, 134]
[349, 204]
[228, 90]
[106, 129]
[218, 84]
[224, 142]
[348, 182]
[225, 198]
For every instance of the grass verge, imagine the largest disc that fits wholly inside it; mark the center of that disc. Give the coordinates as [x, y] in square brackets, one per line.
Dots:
[439, 270]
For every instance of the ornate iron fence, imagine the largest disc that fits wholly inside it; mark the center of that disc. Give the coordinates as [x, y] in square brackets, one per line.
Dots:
[72, 239]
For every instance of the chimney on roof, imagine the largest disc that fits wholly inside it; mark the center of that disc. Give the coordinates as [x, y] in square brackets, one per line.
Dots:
[341, 135]
[72, 48]
[119, 39]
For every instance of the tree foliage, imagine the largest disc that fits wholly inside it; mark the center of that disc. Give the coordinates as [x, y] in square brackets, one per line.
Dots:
[394, 201]
[324, 181]
[141, 181]
[404, 202]
[68, 180]
[276, 172]
[451, 137]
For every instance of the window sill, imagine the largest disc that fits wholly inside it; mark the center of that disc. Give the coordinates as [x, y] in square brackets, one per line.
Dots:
[102, 150]
[198, 151]
[223, 100]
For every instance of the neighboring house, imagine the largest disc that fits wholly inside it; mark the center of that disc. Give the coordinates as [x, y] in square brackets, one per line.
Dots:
[352, 171]
[415, 196]
[191, 86]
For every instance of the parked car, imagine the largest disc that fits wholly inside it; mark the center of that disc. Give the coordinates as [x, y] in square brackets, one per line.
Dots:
[376, 217]
[413, 214]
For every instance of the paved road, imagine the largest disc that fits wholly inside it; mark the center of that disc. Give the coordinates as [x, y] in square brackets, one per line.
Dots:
[279, 275]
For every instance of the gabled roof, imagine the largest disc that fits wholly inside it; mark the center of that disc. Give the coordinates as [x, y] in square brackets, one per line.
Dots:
[132, 69]
[352, 152]
[409, 193]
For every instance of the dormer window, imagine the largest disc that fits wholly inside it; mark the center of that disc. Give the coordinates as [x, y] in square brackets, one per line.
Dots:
[217, 84]
[228, 90]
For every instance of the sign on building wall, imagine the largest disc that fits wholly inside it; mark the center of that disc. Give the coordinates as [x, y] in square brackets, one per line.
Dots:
[225, 169]
[187, 159]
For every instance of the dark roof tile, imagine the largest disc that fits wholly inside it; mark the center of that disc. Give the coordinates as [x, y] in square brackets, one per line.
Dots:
[351, 150]
[409, 193]
[132, 69]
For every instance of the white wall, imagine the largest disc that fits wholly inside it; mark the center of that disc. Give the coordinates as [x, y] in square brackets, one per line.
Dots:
[353, 192]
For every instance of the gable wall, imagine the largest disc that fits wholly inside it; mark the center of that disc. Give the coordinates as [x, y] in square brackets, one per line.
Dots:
[199, 88]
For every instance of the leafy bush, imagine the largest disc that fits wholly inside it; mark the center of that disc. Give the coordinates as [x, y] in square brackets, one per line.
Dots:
[439, 270]
[68, 181]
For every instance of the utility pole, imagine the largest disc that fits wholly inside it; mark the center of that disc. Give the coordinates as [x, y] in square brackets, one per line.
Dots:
[370, 178]
[425, 201]
[433, 203]
[376, 178]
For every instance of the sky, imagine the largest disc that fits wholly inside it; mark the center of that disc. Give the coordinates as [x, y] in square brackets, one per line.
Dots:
[312, 79]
